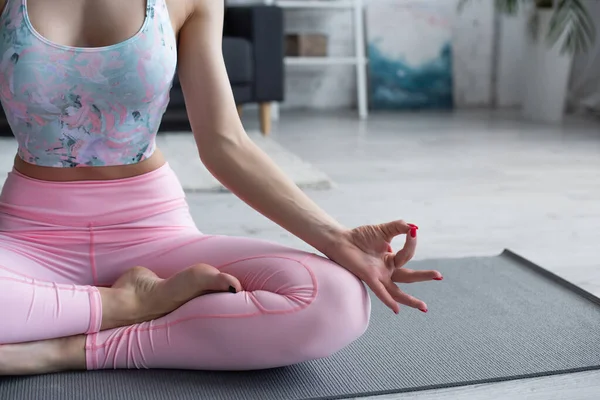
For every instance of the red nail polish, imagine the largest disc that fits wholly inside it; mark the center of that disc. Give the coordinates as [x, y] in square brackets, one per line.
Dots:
[413, 226]
[423, 310]
[413, 232]
[439, 279]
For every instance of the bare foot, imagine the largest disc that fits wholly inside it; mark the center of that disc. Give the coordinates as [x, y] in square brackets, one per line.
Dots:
[140, 295]
[45, 356]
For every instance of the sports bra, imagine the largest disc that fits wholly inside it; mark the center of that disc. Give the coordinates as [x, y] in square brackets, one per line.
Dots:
[85, 106]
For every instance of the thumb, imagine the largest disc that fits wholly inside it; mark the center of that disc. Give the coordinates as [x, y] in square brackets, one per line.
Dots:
[408, 251]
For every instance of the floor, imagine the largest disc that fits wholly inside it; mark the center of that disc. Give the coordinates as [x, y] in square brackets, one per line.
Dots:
[474, 182]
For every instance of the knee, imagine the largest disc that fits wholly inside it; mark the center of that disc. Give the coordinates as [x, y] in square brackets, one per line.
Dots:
[341, 309]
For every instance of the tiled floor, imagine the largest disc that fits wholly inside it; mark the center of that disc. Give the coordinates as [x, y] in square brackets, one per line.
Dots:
[474, 182]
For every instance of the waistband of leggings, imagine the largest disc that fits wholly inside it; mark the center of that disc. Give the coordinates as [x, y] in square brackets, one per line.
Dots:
[87, 203]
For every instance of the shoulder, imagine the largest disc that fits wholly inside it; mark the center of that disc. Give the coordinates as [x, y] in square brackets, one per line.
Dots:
[203, 18]
[206, 6]
[187, 12]
[205, 9]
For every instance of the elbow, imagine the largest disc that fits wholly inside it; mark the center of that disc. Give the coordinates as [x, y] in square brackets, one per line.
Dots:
[215, 148]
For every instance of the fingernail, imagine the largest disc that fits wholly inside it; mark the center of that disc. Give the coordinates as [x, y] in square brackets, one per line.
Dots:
[413, 232]
[232, 289]
[423, 309]
[441, 278]
[413, 226]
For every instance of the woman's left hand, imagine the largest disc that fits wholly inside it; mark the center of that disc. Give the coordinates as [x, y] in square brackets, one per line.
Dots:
[367, 253]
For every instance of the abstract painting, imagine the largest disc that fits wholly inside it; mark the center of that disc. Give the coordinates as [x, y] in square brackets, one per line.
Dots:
[409, 46]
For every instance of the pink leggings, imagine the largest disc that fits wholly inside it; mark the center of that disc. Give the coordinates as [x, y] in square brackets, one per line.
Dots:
[60, 240]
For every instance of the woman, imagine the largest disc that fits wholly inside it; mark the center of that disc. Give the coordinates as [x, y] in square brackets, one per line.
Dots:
[101, 265]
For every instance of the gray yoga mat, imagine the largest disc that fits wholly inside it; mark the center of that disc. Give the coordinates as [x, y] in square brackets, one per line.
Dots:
[491, 319]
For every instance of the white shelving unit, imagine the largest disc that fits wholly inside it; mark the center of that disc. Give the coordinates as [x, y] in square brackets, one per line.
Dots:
[359, 60]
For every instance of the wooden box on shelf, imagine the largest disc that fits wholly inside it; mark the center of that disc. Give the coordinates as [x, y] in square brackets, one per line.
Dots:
[305, 45]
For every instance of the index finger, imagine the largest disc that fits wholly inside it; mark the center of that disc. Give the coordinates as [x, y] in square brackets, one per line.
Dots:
[394, 228]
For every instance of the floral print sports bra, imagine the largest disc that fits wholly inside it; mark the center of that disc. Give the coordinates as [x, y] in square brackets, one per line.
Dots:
[85, 106]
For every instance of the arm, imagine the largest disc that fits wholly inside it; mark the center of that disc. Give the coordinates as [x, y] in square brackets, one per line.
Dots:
[236, 162]
[224, 146]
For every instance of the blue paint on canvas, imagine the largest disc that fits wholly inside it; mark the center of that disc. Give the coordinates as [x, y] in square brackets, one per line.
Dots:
[395, 84]
[410, 54]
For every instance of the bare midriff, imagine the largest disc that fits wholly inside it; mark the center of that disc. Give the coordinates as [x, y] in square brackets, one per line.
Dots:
[155, 161]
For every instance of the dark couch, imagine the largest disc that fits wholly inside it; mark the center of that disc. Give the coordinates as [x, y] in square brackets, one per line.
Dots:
[253, 48]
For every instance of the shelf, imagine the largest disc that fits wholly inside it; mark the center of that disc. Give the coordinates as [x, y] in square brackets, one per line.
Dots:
[349, 4]
[323, 61]
[357, 61]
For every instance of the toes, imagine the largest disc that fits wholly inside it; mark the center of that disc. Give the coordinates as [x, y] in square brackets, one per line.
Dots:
[212, 280]
[229, 283]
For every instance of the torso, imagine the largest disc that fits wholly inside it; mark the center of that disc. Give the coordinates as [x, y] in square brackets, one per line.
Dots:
[62, 28]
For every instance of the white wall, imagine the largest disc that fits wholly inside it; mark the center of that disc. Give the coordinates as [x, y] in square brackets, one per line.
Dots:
[473, 54]
[585, 74]
[512, 31]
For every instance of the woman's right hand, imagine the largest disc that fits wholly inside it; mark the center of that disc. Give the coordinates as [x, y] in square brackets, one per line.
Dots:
[366, 252]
